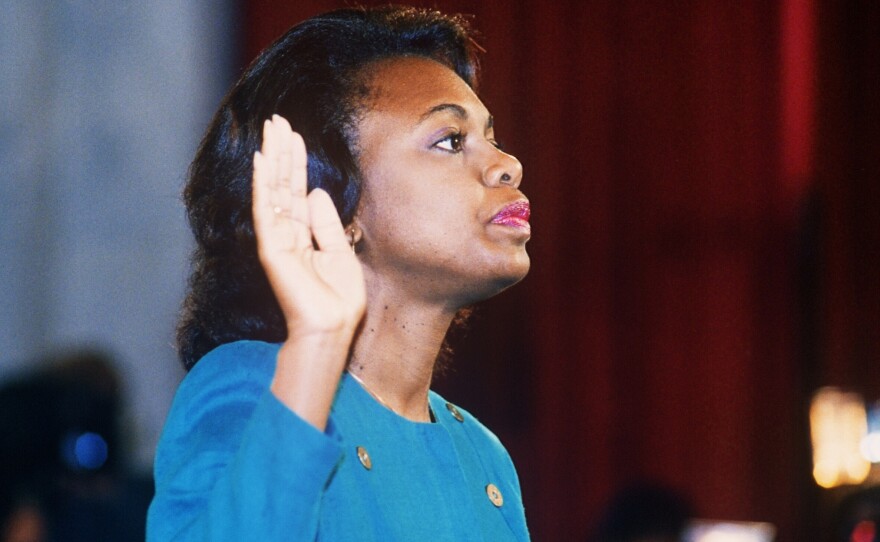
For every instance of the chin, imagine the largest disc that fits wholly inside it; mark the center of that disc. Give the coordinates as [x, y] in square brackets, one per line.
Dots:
[515, 276]
[503, 277]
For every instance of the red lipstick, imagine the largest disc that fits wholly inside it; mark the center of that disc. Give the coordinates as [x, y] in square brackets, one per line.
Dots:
[516, 214]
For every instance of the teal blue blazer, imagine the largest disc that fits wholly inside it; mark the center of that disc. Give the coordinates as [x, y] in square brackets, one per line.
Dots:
[235, 464]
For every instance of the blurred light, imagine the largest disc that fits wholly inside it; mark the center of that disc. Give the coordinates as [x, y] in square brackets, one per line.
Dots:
[729, 531]
[864, 531]
[871, 447]
[871, 442]
[84, 451]
[91, 451]
[838, 425]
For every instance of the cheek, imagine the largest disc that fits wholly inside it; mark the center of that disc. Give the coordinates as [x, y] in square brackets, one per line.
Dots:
[411, 216]
[437, 211]
[412, 203]
[420, 226]
[415, 194]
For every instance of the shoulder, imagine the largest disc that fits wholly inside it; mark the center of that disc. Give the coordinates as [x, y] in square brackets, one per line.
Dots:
[248, 363]
[245, 357]
[224, 386]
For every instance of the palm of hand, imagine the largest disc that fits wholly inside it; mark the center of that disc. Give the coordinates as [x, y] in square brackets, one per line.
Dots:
[318, 290]
[319, 285]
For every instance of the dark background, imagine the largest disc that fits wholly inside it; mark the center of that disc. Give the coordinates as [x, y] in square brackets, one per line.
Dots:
[704, 181]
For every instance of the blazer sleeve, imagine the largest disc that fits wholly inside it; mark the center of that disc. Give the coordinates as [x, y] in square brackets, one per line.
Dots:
[233, 462]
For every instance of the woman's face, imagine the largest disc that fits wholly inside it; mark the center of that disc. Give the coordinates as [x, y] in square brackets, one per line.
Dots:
[441, 212]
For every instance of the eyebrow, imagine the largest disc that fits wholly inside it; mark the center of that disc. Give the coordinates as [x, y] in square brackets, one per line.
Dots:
[456, 110]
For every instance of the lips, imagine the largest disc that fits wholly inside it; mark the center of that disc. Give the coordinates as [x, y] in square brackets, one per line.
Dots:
[516, 214]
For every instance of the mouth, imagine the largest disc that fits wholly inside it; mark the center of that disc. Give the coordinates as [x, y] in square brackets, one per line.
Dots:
[515, 215]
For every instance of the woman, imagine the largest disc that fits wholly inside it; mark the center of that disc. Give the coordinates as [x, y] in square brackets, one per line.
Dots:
[318, 306]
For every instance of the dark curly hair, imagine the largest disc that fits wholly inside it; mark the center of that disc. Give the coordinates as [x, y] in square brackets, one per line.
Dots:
[317, 76]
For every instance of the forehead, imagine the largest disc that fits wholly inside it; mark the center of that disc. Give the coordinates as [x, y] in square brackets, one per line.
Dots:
[408, 86]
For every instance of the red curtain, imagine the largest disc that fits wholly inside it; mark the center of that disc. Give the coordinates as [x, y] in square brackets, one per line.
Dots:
[848, 195]
[705, 240]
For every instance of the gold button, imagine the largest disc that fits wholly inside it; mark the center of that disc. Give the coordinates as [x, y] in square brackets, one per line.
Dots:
[494, 495]
[364, 457]
[454, 411]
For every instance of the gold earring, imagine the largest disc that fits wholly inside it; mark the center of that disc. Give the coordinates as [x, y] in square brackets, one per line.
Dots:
[354, 235]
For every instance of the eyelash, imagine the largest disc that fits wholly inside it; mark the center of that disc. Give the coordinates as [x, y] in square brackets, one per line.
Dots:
[456, 140]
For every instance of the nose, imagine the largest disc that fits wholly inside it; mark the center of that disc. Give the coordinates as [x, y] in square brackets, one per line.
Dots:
[503, 170]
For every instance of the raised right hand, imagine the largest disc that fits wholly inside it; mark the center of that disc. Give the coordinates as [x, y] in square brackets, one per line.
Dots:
[316, 277]
[319, 289]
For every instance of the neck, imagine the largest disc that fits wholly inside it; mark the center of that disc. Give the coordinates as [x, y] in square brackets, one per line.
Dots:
[395, 352]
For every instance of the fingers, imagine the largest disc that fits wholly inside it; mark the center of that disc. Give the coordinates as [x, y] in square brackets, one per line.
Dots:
[280, 184]
[292, 183]
[264, 210]
[285, 216]
[326, 225]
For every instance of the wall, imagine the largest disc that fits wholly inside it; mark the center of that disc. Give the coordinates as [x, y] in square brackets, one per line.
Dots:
[103, 105]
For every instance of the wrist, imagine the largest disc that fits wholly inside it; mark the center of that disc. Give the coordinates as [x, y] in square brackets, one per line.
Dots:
[307, 373]
[323, 330]
[321, 336]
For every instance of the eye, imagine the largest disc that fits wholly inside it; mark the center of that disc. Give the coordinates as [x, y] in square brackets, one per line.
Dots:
[451, 143]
